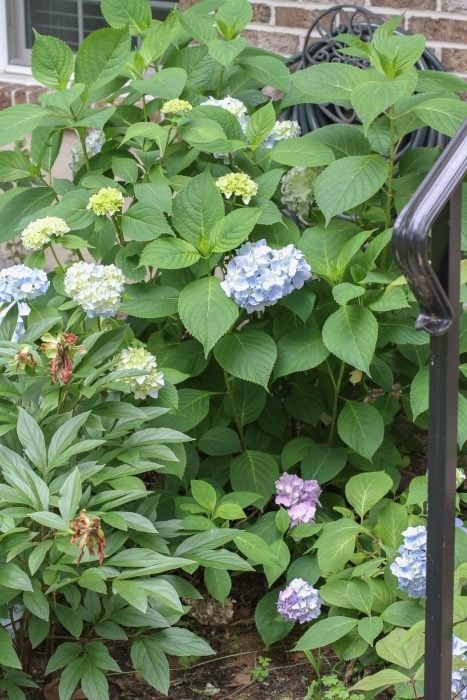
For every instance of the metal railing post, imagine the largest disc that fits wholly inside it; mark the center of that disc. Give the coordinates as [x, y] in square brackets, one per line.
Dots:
[442, 460]
[432, 269]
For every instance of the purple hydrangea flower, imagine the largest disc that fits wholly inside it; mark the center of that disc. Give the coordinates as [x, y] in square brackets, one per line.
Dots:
[459, 676]
[258, 276]
[299, 496]
[410, 566]
[299, 601]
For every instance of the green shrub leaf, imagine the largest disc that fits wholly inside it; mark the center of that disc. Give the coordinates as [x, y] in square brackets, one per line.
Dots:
[249, 355]
[206, 311]
[361, 427]
[52, 61]
[350, 333]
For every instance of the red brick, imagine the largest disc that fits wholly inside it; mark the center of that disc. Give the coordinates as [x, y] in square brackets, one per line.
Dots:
[261, 13]
[439, 29]
[455, 60]
[295, 17]
[280, 41]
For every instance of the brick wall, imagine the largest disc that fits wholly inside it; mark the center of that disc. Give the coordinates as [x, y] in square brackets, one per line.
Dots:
[281, 25]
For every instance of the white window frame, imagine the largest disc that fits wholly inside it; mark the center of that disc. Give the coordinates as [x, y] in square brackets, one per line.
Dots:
[14, 71]
[11, 72]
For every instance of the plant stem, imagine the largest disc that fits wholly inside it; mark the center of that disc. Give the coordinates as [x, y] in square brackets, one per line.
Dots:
[56, 257]
[118, 228]
[392, 155]
[335, 403]
[82, 138]
[234, 409]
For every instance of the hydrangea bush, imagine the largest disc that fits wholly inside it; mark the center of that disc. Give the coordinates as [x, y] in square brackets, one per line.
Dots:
[220, 371]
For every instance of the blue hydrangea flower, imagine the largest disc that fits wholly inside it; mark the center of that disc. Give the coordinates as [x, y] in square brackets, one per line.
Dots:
[258, 276]
[410, 566]
[22, 283]
[95, 139]
[299, 601]
[96, 288]
[459, 676]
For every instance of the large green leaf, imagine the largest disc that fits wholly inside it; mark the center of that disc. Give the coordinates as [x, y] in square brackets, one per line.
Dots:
[361, 427]
[336, 545]
[149, 660]
[165, 84]
[322, 248]
[197, 208]
[382, 679]
[9, 656]
[419, 394]
[349, 182]
[325, 632]
[258, 470]
[323, 462]
[143, 223]
[298, 351]
[119, 13]
[350, 333]
[266, 70]
[392, 521]
[375, 96]
[25, 205]
[443, 114]
[17, 121]
[363, 491]
[32, 439]
[52, 61]
[248, 355]
[101, 56]
[14, 165]
[302, 151]
[206, 311]
[271, 626]
[326, 82]
[260, 125]
[150, 301]
[343, 139]
[233, 229]
[170, 254]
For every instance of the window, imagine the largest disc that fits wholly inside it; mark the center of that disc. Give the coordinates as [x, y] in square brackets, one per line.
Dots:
[70, 20]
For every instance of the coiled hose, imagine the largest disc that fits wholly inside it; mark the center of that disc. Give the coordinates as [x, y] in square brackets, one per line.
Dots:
[312, 116]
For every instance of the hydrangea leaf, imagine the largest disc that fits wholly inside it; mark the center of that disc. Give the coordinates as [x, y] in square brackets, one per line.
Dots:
[249, 355]
[206, 311]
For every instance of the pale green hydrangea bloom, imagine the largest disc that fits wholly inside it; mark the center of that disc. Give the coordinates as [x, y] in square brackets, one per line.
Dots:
[142, 385]
[40, 232]
[108, 200]
[460, 477]
[176, 107]
[239, 184]
[297, 189]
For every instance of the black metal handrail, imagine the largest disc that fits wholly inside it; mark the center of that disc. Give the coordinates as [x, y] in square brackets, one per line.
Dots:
[431, 266]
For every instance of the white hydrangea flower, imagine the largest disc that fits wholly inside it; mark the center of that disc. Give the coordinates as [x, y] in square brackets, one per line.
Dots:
[287, 129]
[96, 288]
[40, 232]
[142, 385]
